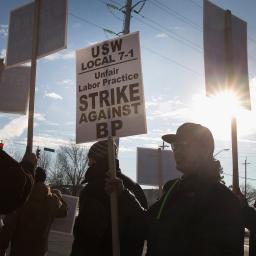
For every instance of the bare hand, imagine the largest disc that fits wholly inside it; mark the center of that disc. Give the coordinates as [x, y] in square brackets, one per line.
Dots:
[57, 192]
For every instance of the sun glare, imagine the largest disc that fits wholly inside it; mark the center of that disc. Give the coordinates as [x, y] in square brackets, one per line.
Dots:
[228, 102]
[216, 113]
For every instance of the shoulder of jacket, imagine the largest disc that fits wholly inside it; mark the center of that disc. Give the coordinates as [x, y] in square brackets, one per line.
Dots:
[223, 195]
[168, 184]
[221, 188]
[128, 182]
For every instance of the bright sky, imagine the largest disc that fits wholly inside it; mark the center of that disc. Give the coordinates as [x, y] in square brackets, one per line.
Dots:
[173, 73]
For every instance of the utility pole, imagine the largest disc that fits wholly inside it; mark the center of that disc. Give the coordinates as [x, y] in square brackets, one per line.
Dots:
[111, 158]
[160, 168]
[245, 176]
[113, 197]
[112, 166]
[163, 146]
[127, 17]
[127, 13]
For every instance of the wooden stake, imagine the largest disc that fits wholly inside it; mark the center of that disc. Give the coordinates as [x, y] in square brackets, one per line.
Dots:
[35, 35]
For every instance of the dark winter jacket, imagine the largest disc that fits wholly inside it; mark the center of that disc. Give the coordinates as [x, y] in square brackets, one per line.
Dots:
[92, 230]
[16, 181]
[195, 216]
[249, 214]
[200, 217]
[28, 228]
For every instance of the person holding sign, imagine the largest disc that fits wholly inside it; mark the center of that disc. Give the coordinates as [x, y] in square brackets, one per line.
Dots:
[197, 214]
[92, 230]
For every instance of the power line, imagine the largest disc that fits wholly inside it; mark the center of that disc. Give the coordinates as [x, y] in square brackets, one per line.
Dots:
[181, 38]
[197, 4]
[183, 18]
[169, 33]
[115, 2]
[92, 24]
[172, 61]
[85, 20]
[110, 8]
[238, 176]
[146, 48]
[176, 14]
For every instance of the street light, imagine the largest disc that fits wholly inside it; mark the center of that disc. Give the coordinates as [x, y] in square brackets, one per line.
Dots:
[224, 149]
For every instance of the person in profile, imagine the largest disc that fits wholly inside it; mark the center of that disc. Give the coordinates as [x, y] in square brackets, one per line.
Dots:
[197, 214]
[92, 229]
[27, 229]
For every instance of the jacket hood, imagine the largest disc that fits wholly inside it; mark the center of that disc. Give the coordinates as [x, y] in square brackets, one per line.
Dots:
[99, 171]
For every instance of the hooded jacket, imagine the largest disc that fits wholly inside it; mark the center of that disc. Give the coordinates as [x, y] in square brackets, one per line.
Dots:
[92, 230]
[29, 227]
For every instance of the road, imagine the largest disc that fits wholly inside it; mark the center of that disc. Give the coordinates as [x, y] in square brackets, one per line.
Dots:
[60, 245]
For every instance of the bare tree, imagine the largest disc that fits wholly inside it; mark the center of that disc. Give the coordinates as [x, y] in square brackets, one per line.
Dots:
[70, 167]
[44, 160]
[250, 193]
[57, 178]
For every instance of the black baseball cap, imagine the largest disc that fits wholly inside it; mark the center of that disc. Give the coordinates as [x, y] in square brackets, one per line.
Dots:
[192, 132]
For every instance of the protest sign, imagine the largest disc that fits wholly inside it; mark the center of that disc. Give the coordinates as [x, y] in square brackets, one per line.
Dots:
[52, 30]
[110, 98]
[222, 55]
[14, 87]
[147, 166]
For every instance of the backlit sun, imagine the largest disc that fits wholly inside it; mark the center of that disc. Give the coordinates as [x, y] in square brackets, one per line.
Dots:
[216, 113]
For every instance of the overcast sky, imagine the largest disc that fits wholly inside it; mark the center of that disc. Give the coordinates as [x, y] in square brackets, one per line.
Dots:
[171, 35]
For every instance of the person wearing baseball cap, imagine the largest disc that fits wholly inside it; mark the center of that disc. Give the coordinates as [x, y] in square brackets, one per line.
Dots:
[197, 214]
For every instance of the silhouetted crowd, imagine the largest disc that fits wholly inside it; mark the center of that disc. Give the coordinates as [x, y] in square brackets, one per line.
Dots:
[196, 214]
